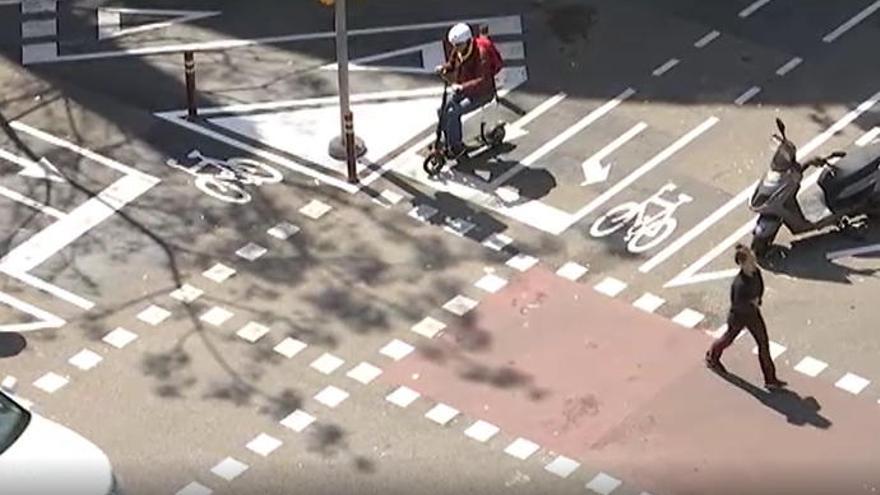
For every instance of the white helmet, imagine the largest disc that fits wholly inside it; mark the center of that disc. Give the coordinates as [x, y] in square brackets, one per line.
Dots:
[460, 33]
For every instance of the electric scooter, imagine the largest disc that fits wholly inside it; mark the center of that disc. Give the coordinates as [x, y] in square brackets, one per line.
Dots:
[439, 153]
[847, 188]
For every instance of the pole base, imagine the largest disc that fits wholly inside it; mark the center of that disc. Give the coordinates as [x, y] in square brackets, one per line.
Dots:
[336, 149]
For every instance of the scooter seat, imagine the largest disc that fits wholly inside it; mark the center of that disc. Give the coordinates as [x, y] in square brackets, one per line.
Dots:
[854, 174]
[813, 205]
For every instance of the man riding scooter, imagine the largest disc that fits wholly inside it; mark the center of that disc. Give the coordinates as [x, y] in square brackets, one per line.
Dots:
[471, 70]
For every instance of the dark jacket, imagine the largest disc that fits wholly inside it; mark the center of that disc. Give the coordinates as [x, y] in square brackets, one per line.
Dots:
[744, 291]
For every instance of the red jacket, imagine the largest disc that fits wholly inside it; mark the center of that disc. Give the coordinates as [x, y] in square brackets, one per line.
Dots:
[474, 73]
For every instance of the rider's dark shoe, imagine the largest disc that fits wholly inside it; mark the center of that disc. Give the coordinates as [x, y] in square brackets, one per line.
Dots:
[458, 152]
[775, 384]
[715, 365]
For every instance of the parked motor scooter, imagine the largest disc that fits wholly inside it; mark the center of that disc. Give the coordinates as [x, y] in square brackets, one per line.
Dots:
[849, 187]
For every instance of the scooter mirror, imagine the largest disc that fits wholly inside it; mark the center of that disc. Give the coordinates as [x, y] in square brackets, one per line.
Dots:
[837, 154]
[781, 126]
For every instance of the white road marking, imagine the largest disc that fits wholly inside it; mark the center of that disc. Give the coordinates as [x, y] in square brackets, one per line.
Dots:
[109, 20]
[522, 448]
[491, 283]
[851, 23]
[218, 273]
[396, 350]
[562, 466]
[85, 359]
[572, 271]
[153, 315]
[789, 66]
[298, 420]
[186, 293]
[642, 170]
[229, 468]
[403, 397]
[610, 287]
[482, 431]
[195, 488]
[649, 302]
[251, 251]
[290, 347]
[283, 230]
[331, 396]
[708, 38]
[594, 170]
[327, 363]
[868, 137]
[364, 373]
[845, 253]
[659, 71]
[264, 444]
[460, 305]
[776, 350]
[564, 136]
[852, 383]
[517, 129]
[751, 9]
[604, 484]
[51, 382]
[44, 318]
[120, 337]
[30, 203]
[252, 331]
[747, 95]
[497, 242]
[690, 274]
[9, 384]
[811, 366]
[522, 262]
[442, 414]
[688, 318]
[216, 316]
[497, 26]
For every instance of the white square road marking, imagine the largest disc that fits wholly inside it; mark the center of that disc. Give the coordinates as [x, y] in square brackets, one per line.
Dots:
[9, 383]
[442, 414]
[290, 347]
[331, 396]
[194, 488]
[491, 283]
[522, 262]
[482, 431]
[218, 273]
[811, 366]
[364, 373]
[229, 468]
[298, 421]
[562, 466]
[251, 251]
[603, 484]
[460, 305]
[51, 382]
[120, 338]
[522, 449]
[572, 271]
[315, 209]
[327, 363]
[428, 327]
[85, 359]
[649, 302]
[852, 383]
[264, 444]
[216, 316]
[402, 397]
[396, 350]
[423, 213]
[252, 331]
[153, 315]
[776, 350]
[283, 231]
[688, 318]
[497, 242]
[610, 286]
[391, 197]
[187, 293]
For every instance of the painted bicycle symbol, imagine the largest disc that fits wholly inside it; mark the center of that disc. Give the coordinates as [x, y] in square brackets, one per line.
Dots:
[647, 230]
[223, 179]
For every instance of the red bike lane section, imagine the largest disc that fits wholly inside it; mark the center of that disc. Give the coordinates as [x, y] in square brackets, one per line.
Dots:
[626, 392]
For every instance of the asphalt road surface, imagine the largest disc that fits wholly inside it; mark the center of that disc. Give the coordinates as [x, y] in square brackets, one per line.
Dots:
[210, 301]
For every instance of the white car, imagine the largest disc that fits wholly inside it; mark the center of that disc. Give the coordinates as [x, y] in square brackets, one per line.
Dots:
[41, 457]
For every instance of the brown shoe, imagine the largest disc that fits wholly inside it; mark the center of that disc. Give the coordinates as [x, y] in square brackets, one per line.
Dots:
[715, 365]
[775, 384]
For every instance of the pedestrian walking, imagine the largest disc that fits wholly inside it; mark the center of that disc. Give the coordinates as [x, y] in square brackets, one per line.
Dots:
[746, 296]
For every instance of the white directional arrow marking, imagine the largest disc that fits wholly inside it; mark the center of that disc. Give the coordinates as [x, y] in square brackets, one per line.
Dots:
[517, 129]
[44, 318]
[594, 171]
[29, 168]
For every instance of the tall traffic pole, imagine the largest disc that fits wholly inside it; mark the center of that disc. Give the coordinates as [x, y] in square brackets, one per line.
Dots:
[346, 146]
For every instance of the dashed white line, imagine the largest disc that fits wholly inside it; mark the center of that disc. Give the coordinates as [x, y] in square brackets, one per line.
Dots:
[263, 444]
[867, 137]
[562, 466]
[811, 366]
[364, 373]
[491, 283]
[120, 337]
[610, 286]
[688, 318]
[51, 382]
[789, 66]
[442, 414]
[649, 302]
[572, 271]
[194, 488]
[85, 359]
[751, 9]
[298, 421]
[522, 262]
[429, 327]
[331, 396]
[708, 38]
[396, 349]
[290, 347]
[603, 484]
[747, 95]
[481, 431]
[216, 316]
[522, 448]
[776, 350]
[186, 293]
[327, 363]
[403, 397]
[851, 23]
[669, 64]
[852, 383]
[229, 468]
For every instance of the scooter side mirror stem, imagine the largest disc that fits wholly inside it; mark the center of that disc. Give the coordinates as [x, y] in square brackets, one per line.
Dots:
[781, 126]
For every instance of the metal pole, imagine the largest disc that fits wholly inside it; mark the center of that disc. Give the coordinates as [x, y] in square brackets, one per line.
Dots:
[189, 65]
[342, 62]
[350, 152]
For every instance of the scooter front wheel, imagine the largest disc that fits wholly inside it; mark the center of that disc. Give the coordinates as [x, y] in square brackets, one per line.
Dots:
[760, 246]
[433, 163]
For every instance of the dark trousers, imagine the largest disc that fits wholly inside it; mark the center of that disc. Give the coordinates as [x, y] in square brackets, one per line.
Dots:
[755, 323]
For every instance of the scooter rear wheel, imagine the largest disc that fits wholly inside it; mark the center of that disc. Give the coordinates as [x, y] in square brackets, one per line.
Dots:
[433, 163]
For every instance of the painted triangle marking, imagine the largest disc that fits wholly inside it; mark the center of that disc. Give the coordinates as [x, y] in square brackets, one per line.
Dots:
[110, 20]
[44, 318]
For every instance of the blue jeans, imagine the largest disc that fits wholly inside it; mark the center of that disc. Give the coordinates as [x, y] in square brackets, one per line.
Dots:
[450, 119]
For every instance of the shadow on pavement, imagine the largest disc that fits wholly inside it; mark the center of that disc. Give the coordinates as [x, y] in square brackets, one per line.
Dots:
[806, 258]
[799, 411]
[11, 344]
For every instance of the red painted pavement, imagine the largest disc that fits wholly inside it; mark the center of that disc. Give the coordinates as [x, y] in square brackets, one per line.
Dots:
[626, 392]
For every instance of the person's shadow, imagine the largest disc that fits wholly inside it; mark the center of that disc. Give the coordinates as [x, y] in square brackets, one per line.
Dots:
[798, 410]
